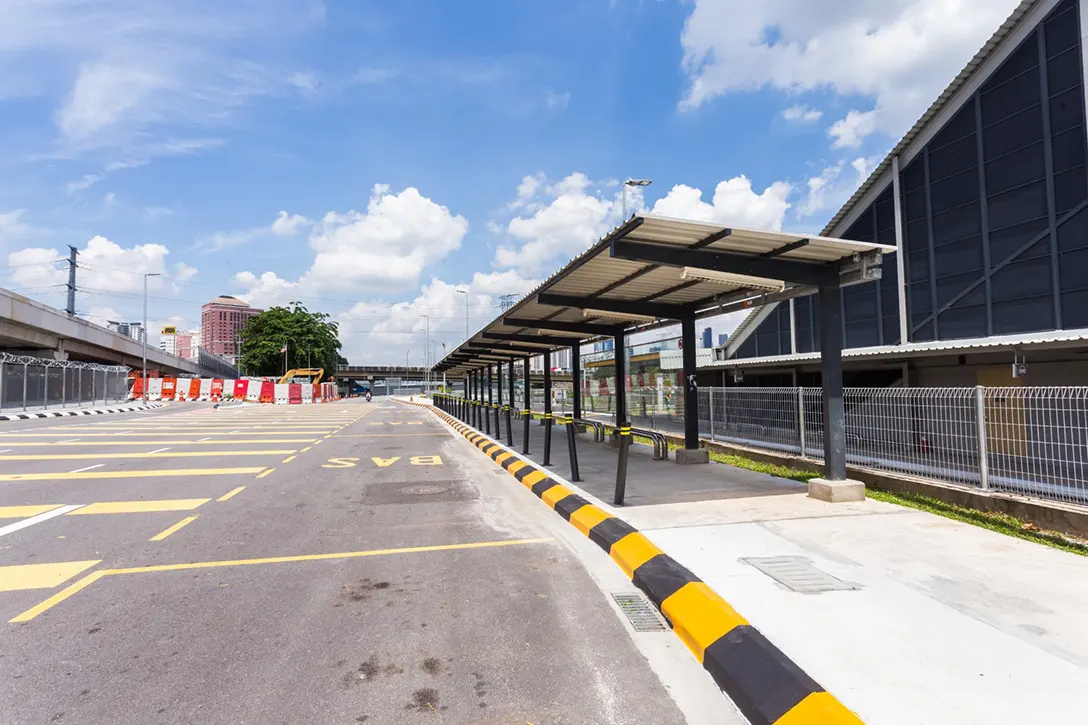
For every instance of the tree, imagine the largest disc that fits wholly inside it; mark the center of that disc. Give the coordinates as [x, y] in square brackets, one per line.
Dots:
[311, 337]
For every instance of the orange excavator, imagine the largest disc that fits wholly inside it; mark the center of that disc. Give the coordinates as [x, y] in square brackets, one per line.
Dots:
[311, 375]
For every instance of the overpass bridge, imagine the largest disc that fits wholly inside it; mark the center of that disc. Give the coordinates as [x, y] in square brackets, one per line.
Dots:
[31, 328]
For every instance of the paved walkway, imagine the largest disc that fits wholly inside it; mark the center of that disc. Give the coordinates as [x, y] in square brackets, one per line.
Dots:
[934, 621]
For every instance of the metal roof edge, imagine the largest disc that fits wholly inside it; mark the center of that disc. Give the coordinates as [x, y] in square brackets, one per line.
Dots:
[934, 109]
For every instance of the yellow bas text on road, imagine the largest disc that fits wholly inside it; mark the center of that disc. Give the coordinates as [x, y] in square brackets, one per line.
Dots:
[91, 578]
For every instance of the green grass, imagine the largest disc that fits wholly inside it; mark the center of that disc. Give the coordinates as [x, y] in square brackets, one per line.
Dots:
[992, 520]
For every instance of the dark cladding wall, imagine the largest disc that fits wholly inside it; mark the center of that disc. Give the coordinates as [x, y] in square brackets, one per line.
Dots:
[995, 248]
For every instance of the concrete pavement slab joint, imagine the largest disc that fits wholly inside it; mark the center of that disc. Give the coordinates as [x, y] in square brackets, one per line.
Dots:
[765, 684]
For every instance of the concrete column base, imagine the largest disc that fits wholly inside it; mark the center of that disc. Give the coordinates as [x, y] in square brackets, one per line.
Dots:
[836, 491]
[688, 456]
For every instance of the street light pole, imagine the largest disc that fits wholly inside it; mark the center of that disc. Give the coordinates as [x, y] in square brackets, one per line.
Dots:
[632, 182]
[146, 275]
[465, 293]
[426, 355]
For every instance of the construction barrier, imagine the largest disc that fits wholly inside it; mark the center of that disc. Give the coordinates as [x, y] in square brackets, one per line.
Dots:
[268, 391]
[168, 388]
[281, 393]
[217, 390]
[194, 388]
[294, 393]
[307, 392]
[240, 389]
[154, 389]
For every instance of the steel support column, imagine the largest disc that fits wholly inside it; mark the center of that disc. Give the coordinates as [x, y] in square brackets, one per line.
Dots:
[691, 389]
[498, 401]
[547, 408]
[488, 403]
[620, 355]
[510, 406]
[831, 369]
[527, 411]
[576, 379]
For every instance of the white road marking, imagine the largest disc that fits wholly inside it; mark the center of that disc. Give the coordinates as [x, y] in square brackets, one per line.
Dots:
[6, 450]
[19, 525]
[201, 440]
[70, 440]
[88, 468]
[161, 450]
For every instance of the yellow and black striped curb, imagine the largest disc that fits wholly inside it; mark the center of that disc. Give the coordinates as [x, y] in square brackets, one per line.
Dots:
[766, 685]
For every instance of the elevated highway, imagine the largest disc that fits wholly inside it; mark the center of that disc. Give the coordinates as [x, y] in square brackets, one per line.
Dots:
[31, 328]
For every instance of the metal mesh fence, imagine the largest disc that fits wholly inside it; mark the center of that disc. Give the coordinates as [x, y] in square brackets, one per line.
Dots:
[29, 383]
[1031, 441]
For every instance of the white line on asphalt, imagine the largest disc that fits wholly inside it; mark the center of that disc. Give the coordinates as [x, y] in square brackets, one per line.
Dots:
[201, 440]
[161, 450]
[6, 450]
[12, 528]
[88, 468]
[72, 440]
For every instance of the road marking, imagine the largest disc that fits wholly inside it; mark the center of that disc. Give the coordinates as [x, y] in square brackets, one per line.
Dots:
[160, 434]
[305, 449]
[153, 454]
[154, 473]
[166, 532]
[265, 472]
[78, 470]
[204, 441]
[425, 460]
[140, 507]
[340, 463]
[26, 523]
[71, 441]
[59, 597]
[160, 450]
[316, 442]
[41, 576]
[383, 462]
[390, 435]
[289, 459]
[25, 512]
[231, 494]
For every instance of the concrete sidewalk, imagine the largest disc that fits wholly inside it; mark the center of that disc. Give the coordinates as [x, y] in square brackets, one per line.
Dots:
[934, 621]
[90, 409]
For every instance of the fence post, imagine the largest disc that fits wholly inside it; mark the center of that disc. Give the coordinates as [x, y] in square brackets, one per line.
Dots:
[45, 383]
[79, 386]
[801, 418]
[24, 386]
[1, 385]
[980, 424]
[710, 404]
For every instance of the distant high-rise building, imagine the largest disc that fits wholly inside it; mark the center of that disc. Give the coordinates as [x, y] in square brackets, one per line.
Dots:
[708, 338]
[220, 321]
[183, 344]
[723, 338]
[135, 330]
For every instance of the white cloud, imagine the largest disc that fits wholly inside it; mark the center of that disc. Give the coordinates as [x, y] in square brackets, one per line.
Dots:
[818, 186]
[830, 189]
[85, 182]
[158, 212]
[304, 81]
[576, 215]
[372, 76]
[556, 100]
[267, 290]
[735, 203]
[286, 225]
[802, 113]
[900, 54]
[101, 315]
[12, 227]
[849, 132]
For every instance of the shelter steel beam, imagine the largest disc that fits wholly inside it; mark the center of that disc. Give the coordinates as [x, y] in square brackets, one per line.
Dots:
[654, 309]
[691, 390]
[831, 369]
[580, 328]
[807, 273]
[552, 340]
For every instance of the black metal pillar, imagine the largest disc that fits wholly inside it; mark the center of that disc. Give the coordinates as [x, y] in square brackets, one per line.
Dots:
[547, 408]
[831, 370]
[691, 389]
[498, 401]
[488, 403]
[576, 378]
[623, 427]
[476, 399]
[527, 412]
[510, 407]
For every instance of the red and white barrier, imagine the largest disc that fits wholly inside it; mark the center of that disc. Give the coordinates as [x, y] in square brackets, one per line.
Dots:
[248, 389]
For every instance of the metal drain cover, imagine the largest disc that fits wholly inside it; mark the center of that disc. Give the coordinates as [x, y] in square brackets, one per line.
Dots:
[424, 490]
[798, 574]
[640, 613]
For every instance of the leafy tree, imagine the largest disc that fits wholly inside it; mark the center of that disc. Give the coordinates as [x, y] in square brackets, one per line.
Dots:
[311, 337]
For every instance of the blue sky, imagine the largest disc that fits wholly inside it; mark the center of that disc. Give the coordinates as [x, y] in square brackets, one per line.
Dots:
[369, 157]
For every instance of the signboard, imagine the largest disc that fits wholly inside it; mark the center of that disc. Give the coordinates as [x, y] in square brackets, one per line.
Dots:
[170, 330]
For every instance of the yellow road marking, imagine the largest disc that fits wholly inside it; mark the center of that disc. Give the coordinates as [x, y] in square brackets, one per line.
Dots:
[165, 454]
[40, 444]
[265, 472]
[305, 449]
[166, 532]
[95, 576]
[40, 576]
[25, 512]
[128, 474]
[225, 432]
[316, 442]
[385, 435]
[231, 494]
[383, 462]
[289, 459]
[141, 507]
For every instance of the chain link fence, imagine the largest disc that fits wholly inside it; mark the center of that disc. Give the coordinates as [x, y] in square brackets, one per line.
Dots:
[30, 383]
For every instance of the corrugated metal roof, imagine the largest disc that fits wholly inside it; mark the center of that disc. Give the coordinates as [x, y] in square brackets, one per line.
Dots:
[914, 349]
[598, 275]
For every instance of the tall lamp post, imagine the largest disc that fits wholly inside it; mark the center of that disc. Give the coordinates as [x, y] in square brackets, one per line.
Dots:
[426, 355]
[146, 275]
[632, 182]
[465, 293]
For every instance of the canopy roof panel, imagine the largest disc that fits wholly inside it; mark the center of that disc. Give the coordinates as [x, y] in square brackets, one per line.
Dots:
[656, 268]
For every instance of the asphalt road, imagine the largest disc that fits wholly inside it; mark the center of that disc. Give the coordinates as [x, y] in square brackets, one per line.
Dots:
[338, 563]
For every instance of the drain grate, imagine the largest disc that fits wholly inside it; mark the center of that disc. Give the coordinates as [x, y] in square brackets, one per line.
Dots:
[798, 574]
[641, 614]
